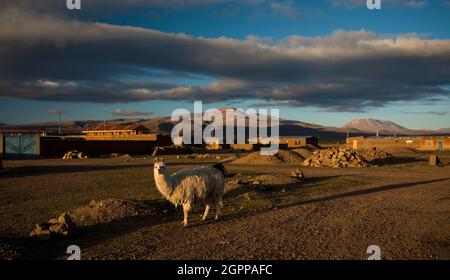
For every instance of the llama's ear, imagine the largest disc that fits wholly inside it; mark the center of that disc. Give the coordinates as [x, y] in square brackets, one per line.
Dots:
[155, 160]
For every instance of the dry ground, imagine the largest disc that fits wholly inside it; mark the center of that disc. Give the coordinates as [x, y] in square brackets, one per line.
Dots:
[404, 208]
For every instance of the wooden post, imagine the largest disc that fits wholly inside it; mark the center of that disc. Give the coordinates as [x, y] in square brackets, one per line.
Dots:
[434, 161]
[2, 148]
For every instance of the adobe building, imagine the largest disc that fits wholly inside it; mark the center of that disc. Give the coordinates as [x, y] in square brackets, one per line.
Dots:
[134, 132]
[35, 145]
[117, 130]
[291, 142]
[298, 141]
[418, 143]
[101, 145]
[255, 147]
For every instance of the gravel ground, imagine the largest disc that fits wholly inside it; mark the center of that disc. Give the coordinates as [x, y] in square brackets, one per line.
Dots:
[404, 208]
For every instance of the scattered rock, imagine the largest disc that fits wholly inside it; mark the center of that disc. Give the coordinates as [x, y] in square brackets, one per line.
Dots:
[7, 252]
[74, 155]
[61, 227]
[249, 196]
[199, 156]
[297, 174]
[262, 180]
[171, 150]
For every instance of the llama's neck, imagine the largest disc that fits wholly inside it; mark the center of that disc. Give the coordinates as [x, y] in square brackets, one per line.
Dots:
[164, 183]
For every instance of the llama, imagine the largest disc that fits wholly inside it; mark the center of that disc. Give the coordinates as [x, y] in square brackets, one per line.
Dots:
[186, 187]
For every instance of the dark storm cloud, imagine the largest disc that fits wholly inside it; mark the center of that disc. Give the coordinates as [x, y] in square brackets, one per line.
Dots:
[48, 58]
[54, 5]
[90, 9]
[438, 113]
[288, 103]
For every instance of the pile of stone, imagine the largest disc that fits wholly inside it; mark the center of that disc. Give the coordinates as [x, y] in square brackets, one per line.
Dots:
[63, 226]
[377, 155]
[74, 155]
[337, 158]
[281, 157]
[199, 156]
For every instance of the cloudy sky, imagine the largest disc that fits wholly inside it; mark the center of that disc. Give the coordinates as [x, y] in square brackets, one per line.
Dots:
[323, 62]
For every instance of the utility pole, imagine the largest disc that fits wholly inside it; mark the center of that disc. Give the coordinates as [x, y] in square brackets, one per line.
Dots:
[59, 126]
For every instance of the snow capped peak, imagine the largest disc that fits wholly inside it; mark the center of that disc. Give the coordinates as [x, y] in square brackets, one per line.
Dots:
[370, 124]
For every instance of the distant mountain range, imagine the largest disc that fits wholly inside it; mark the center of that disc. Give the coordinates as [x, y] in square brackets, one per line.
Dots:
[164, 125]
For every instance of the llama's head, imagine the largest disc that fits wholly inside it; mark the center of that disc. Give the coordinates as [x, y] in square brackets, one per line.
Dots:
[159, 165]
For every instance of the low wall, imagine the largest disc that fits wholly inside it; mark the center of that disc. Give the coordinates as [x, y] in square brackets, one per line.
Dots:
[359, 143]
[50, 146]
[431, 144]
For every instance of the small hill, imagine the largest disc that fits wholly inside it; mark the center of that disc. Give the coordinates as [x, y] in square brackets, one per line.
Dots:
[281, 157]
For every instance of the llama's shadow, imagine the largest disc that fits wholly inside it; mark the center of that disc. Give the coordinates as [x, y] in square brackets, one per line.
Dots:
[264, 192]
[303, 183]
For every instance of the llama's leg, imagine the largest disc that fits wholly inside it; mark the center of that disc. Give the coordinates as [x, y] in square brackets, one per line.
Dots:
[186, 208]
[219, 206]
[206, 212]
